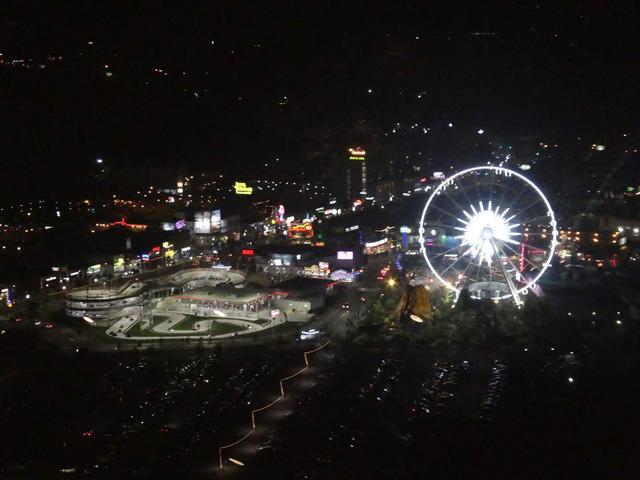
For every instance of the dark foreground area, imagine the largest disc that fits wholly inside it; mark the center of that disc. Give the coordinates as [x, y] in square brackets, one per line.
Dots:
[365, 408]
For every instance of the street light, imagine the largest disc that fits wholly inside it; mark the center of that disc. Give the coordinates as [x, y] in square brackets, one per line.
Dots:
[237, 462]
[391, 282]
[89, 320]
[416, 318]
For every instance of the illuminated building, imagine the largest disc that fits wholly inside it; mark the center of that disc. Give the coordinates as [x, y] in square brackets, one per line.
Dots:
[301, 232]
[357, 155]
[221, 302]
[121, 223]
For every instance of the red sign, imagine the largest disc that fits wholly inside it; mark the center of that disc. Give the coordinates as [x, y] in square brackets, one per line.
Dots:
[247, 252]
[155, 249]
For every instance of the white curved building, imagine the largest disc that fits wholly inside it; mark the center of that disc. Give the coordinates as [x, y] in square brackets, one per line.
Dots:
[103, 305]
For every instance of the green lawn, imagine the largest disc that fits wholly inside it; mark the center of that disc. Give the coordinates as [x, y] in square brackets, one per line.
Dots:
[184, 325]
[222, 328]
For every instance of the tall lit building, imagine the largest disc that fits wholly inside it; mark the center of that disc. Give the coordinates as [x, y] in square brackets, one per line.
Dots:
[357, 155]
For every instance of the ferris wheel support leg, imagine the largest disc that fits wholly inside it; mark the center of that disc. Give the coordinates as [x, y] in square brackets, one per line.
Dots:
[512, 287]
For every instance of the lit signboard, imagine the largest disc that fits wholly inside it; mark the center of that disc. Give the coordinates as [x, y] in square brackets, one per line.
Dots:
[377, 243]
[357, 154]
[352, 228]
[93, 269]
[438, 175]
[345, 255]
[216, 220]
[202, 222]
[118, 263]
[180, 224]
[247, 252]
[242, 189]
[207, 222]
[303, 229]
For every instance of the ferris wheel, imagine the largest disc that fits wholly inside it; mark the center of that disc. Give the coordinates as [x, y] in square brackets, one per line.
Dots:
[489, 230]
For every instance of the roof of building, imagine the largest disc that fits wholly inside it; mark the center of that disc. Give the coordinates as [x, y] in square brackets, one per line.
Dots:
[224, 294]
[291, 250]
[303, 283]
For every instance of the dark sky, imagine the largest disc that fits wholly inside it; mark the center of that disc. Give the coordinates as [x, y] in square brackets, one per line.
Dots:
[556, 68]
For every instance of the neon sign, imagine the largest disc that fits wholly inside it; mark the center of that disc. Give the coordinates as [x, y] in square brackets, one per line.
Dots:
[242, 189]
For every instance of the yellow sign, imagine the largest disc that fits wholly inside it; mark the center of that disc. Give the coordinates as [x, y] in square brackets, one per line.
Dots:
[357, 154]
[242, 189]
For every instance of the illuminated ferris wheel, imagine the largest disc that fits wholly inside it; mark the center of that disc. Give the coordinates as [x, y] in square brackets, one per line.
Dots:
[489, 230]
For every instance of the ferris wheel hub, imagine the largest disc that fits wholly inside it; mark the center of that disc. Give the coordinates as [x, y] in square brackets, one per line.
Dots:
[487, 233]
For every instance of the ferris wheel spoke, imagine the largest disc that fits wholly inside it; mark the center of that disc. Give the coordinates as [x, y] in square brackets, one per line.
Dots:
[466, 195]
[479, 194]
[533, 247]
[507, 257]
[533, 265]
[478, 270]
[508, 279]
[435, 207]
[528, 207]
[524, 189]
[493, 174]
[444, 253]
[434, 225]
[534, 219]
[460, 257]
[503, 197]
[464, 273]
[451, 199]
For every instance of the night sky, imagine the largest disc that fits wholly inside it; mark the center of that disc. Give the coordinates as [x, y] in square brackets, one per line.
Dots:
[246, 82]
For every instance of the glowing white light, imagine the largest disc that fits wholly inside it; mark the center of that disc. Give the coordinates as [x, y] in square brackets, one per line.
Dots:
[484, 231]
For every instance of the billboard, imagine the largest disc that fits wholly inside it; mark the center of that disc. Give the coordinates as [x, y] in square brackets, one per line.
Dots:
[94, 269]
[118, 263]
[242, 189]
[202, 222]
[343, 255]
[207, 222]
[216, 220]
[357, 154]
